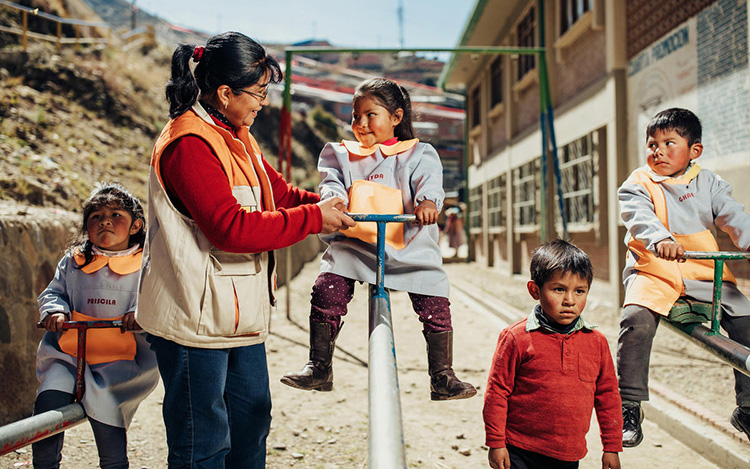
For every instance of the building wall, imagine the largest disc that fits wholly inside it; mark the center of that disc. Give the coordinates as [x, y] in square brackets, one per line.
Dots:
[527, 107]
[583, 63]
[649, 20]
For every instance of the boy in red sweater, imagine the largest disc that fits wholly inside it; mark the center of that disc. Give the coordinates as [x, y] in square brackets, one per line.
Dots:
[549, 371]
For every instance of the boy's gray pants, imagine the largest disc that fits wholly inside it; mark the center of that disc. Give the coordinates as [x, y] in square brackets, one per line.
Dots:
[637, 330]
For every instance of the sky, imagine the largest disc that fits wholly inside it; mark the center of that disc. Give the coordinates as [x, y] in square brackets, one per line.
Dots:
[353, 23]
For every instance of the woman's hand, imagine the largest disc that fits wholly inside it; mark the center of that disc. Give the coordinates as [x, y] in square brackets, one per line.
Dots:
[670, 250]
[334, 218]
[54, 322]
[129, 323]
[426, 212]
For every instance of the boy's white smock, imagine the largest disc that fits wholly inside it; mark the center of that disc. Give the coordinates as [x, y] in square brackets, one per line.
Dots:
[113, 390]
[418, 173]
[703, 202]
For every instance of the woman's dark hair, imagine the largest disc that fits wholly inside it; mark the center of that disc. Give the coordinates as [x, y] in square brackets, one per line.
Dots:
[108, 194]
[559, 256]
[682, 121]
[231, 59]
[391, 96]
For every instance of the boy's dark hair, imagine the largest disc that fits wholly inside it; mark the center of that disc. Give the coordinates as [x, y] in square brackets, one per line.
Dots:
[559, 256]
[109, 194]
[391, 96]
[231, 59]
[682, 121]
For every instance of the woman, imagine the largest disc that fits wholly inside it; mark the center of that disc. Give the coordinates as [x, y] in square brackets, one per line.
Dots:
[217, 210]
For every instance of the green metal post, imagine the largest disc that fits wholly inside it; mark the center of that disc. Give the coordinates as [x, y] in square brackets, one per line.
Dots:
[716, 301]
[465, 185]
[544, 229]
[285, 149]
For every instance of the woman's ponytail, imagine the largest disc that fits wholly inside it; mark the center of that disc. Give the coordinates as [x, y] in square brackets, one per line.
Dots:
[182, 88]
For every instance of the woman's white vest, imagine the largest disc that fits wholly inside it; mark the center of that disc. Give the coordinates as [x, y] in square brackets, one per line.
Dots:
[191, 292]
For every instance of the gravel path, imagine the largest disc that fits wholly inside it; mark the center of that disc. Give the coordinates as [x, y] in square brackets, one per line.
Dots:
[329, 430]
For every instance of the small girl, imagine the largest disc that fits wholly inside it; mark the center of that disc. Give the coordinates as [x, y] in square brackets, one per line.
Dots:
[97, 279]
[386, 171]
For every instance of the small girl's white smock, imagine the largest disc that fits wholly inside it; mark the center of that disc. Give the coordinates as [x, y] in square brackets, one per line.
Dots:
[418, 173]
[113, 390]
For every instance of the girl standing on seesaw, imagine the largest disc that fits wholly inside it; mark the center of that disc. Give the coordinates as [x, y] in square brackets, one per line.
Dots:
[386, 171]
[96, 280]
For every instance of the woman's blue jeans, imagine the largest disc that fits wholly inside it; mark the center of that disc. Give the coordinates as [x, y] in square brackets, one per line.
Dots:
[217, 405]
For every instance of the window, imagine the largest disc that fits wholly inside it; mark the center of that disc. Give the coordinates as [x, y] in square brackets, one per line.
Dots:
[524, 194]
[496, 81]
[475, 208]
[577, 168]
[475, 104]
[570, 11]
[526, 31]
[496, 202]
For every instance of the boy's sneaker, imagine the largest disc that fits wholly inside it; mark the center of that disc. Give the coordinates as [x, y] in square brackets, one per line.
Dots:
[741, 420]
[632, 416]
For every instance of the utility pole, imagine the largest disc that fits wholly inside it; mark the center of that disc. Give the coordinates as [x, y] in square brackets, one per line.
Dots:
[401, 23]
[133, 10]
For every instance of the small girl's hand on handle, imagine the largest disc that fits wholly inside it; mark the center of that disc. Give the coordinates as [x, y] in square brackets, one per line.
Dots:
[670, 250]
[129, 323]
[54, 322]
[426, 212]
[610, 460]
[499, 458]
[334, 218]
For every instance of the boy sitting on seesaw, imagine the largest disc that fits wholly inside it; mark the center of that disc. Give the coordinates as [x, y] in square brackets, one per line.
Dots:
[549, 371]
[669, 206]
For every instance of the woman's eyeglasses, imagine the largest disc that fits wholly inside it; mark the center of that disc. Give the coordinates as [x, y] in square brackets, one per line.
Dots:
[261, 97]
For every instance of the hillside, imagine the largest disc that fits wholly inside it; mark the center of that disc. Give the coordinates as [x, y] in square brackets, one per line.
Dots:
[70, 120]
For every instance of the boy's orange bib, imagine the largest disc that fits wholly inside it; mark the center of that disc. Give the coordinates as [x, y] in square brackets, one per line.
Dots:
[659, 282]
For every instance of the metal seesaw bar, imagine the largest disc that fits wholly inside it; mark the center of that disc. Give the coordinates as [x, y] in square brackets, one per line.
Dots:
[734, 354]
[386, 442]
[38, 427]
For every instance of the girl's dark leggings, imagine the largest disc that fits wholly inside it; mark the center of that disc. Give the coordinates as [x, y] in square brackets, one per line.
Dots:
[332, 293]
[110, 441]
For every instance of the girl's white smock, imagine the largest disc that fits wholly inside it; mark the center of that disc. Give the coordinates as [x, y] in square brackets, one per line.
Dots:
[418, 173]
[113, 390]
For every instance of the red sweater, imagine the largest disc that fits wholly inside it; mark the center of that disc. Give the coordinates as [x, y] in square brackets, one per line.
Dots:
[543, 387]
[197, 186]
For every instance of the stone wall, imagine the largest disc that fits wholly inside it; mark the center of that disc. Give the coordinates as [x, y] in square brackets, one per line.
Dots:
[32, 241]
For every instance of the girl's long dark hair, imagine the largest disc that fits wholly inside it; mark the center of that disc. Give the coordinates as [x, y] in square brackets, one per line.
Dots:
[108, 194]
[231, 59]
[391, 96]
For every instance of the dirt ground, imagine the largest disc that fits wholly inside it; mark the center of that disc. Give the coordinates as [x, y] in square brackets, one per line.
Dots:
[329, 430]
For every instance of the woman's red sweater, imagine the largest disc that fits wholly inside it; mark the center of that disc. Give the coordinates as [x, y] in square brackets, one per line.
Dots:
[197, 186]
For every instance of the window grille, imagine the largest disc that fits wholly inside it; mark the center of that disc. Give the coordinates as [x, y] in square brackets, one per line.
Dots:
[476, 107]
[577, 168]
[526, 31]
[475, 208]
[525, 182]
[496, 81]
[496, 202]
[570, 11]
